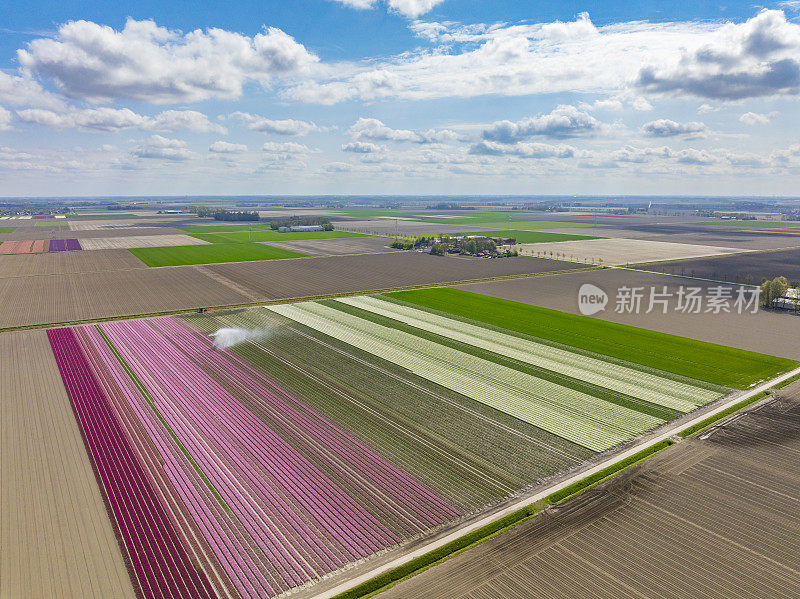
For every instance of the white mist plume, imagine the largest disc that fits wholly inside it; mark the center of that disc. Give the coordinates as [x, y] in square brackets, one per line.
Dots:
[228, 337]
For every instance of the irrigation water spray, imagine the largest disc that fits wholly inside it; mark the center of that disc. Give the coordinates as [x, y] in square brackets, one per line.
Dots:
[228, 337]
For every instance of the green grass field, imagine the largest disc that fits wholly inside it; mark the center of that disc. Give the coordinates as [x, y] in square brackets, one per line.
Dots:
[7, 229]
[211, 254]
[700, 360]
[269, 235]
[532, 236]
[53, 223]
[501, 224]
[754, 224]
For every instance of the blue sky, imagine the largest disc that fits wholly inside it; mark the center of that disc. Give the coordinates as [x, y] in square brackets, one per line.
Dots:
[399, 96]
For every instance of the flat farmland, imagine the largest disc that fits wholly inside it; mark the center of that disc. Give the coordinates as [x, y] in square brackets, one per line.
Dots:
[139, 241]
[714, 363]
[623, 251]
[767, 333]
[56, 537]
[52, 263]
[210, 253]
[32, 300]
[336, 247]
[69, 297]
[747, 267]
[347, 274]
[389, 227]
[710, 517]
[255, 451]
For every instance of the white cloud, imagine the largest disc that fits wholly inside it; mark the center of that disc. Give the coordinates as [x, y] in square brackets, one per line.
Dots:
[564, 121]
[668, 128]
[157, 146]
[158, 65]
[375, 130]
[288, 147]
[511, 60]
[358, 4]
[694, 156]
[226, 147]
[119, 119]
[24, 91]
[413, 8]
[338, 167]
[754, 118]
[524, 150]
[363, 147]
[262, 124]
[173, 120]
[5, 119]
[752, 59]
[704, 108]
[408, 8]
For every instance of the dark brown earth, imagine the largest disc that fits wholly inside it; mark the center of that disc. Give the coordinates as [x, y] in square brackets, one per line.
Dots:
[765, 332]
[83, 294]
[714, 516]
[740, 267]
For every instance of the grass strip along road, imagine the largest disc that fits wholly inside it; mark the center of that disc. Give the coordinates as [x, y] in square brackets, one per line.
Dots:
[402, 567]
[717, 364]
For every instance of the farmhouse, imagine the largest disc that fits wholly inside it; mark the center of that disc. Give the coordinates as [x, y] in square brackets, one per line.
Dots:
[301, 228]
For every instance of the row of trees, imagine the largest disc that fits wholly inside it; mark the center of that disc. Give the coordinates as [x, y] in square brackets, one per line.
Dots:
[225, 215]
[302, 221]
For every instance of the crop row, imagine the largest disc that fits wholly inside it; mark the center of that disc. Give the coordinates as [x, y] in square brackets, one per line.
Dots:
[243, 467]
[37, 246]
[635, 383]
[586, 420]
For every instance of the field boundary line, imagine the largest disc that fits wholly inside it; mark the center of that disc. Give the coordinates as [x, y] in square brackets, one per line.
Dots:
[668, 431]
[286, 300]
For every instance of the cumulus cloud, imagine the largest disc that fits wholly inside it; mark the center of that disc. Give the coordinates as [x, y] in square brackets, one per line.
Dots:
[752, 59]
[158, 65]
[521, 149]
[408, 8]
[262, 124]
[226, 147]
[157, 146]
[564, 121]
[18, 90]
[5, 119]
[363, 147]
[119, 119]
[668, 128]
[510, 60]
[694, 156]
[288, 147]
[754, 118]
[375, 130]
[413, 8]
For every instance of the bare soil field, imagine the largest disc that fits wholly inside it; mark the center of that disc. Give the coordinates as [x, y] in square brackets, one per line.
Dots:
[55, 534]
[57, 298]
[692, 234]
[766, 332]
[140, 241]
[70, 297]
[621, 251]
[287, 279]
[336, 247]
[57, 263]
[391, 227]
[732, 268]
[713, 516]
